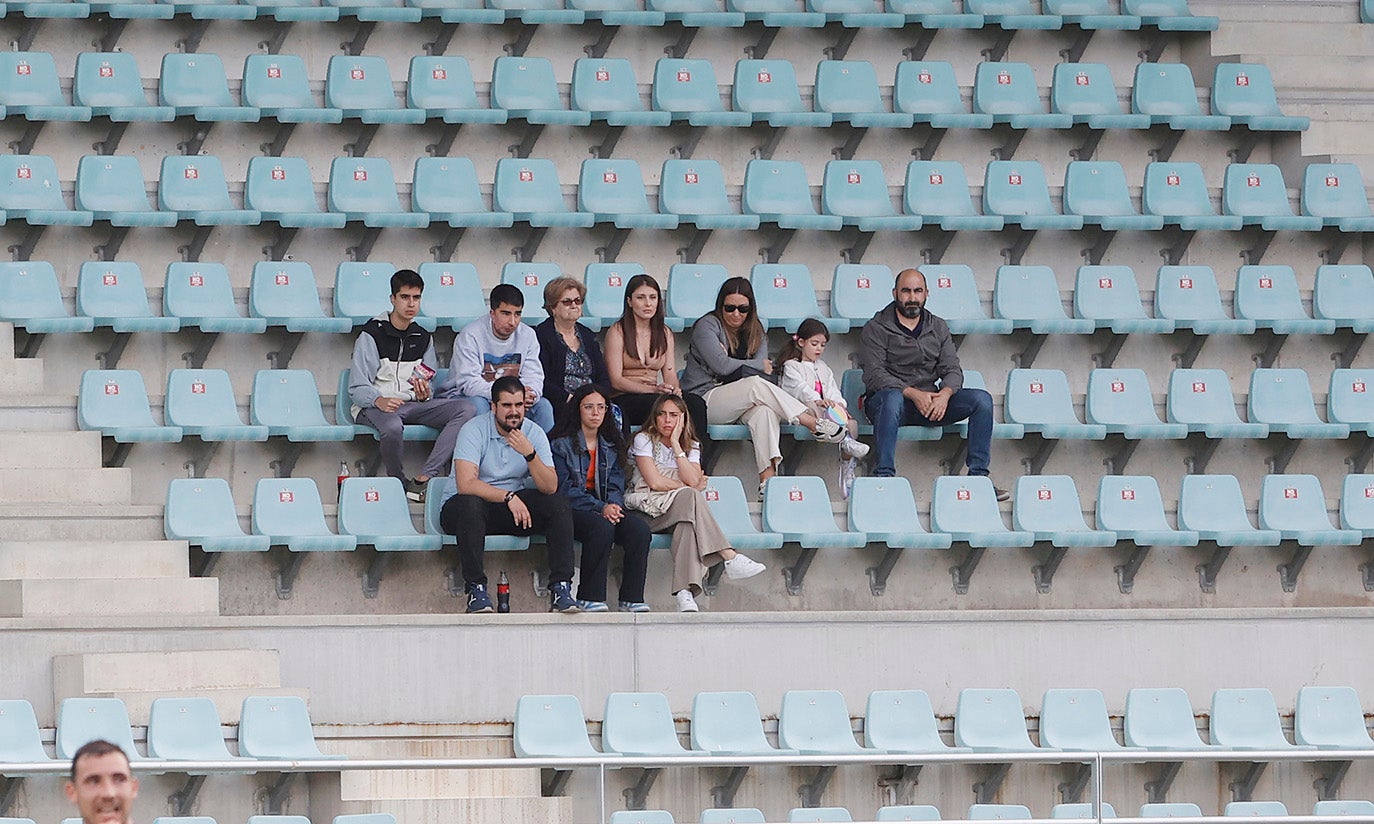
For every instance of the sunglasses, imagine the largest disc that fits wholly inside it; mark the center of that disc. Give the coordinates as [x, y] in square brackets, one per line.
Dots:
[737, 308]
[571, 302]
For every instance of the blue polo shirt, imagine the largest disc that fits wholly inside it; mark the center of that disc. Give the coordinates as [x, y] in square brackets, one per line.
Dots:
[481, 443]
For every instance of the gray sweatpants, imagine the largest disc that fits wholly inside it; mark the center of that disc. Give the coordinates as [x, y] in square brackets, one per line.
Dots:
[445, 414]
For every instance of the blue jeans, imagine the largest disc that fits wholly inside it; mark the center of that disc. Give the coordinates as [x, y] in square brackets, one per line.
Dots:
[541, 413]
[888, 409]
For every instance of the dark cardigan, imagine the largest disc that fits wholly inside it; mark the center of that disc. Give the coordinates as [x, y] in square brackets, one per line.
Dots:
[553, 353]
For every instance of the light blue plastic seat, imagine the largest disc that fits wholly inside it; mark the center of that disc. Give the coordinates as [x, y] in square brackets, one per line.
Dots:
[1268, 295]
[201, 402]
[686, 90]
[279, 87]
[376, 513]
[819, 814]
[551, 726]
[884, 509]
[1161, 718]
[998, 812]
[195, 85]
[1018, 191]
[361, 87]
[1087, 93]
[363, 189]
[1349, 399]
[46, 9]
[1131, 506]
[1332, 718]
[287, 402]
[278, 819]
[856, 190]
[816, 722]
[284, 293]
[32, 90]
[728, 723]
[767, 89]
[606, 292]
[1110, 297]
[936, 14]
[929, 92]
[1282, 398]
[452, 295]
[288, 510]
[606, 89]
[692, 290]
[852, 389]
[134, 9]
[1076, 719]
[776, 13]
[82, 720]
[1335, 193]
[362, 291]
[442, 87]
[1039, 400]
[798, 508]
[114, 402]
[343, 413]
[1170, 809]
[435, 491]
[1245, 93]
[1007, 91]
[777, 191]
[109, 83]
[1081, 810]
[1014, 14]
[1121, 400]
[31, 299]
[112, 293]
[938, 191]
[277, 727]
[20, 740]
[965, 508]
[1091, 14]
[528, 188]
[640, 724]
[902, 721]
[848, 89]
[1168, 15]
[694, 190]
[530, 279]
[393, 11]
[1202, 399]
[860, 291]
[215, 9]
[1177, 192]
[1096, 189]
[111, 187]
[612, 191]
[696, 13]
[1257, 194]
[199, 294]
[533, 12]
[990, 720]
[908, 812]
[33, 193]
[458, 11]
[733, 815]
[1028, 296]
[1191, 298]
[193, 187]
[1166, 92]
[446, 189]
[283, 191]
[641, 817]
[1048, 507]
[1343, 807]
[856, 14]
[1214, 507]
[1255, 808]
[786, 296]
[1295, 506]
[526, 89]
[186, 729]
[619, 12]
[293, 10]
[725, 496]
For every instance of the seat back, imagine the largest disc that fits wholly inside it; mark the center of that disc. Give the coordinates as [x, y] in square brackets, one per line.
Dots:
[1170, 809]
[112, 398]
[1026, 293]
[1244, 90]
[847, 86]
[815, 721]
[82, 720]
[201, 397]
[1081, 810]
[354, 82]
[1107, 293]
[1075, 719]
[31, 182]
[370, 507]
[1293, 503]
[530, 279]
[998, 812]
[605, 85]
[766, 87]
[784, 290]
[1119, 397]
[441, 82]
[612, 187]
[692, 288]
[962, 505]
[1047, 504]
[1330, 717]
[443, 185]
[276, 727]
[733, 815]
[1255, 190]
[1343, 807]
[192, 184]
[728, 722]
[1349, 399]
[926, 87]
[990, 718]
[452, 291]
[1130, 503]
[524, 84]
[860, 290]
[111, 183]
[1039, 396]
[952, 291]
[901, 721]
[550, 726]
[1188, 293]
[286, 398]
[111, 289]
[777, 187]
[936, 188]
[1282, 396]
[729, 506]
[855, 188]
[1201, 396]
[880, 505]
[682, 85]
[192, 80]
[362, 184]
[693, 187]
[1344, 293]
[641, 817]
[185, 728]
[28, 289]
[285, 508]
[276, 81]
[280, 185]
[1015, 187]
[107, 80]
[1160, 717]
[908, 812]
[525, 185]
[1212, 503]
[1083, 89]
[639, 723]
[819, 814]
[1268, 293]
[1247, 718]
[797, 504]
[1003, 88]
[1255, 808]
[20, 740]
[1096, 188]
[1164, 89]
[283, 289]
[362, 290]
[1175, 189]
[1334, 190]
[30, 79]
[606, 289]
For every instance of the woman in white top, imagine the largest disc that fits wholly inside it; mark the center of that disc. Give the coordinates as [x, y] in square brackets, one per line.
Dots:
[808, 379]
[668, 489]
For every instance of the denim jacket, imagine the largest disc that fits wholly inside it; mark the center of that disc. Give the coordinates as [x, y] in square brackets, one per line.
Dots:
[570, 460]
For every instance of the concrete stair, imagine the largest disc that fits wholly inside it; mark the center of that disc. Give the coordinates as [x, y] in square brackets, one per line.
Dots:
[96, 597]
[95, 559]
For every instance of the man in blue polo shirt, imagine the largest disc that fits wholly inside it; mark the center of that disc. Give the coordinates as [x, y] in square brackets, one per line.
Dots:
[504, 483]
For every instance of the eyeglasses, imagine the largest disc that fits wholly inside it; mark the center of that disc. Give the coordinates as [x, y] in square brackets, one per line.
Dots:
[739, 308]
[571, 302]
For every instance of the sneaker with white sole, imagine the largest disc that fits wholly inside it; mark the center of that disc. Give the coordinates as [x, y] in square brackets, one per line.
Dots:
[634, 606]
[827, 431]
[740, 567]
[848, 468]
[851, 448]
[593, 606]
[685, 601]
[415, 489]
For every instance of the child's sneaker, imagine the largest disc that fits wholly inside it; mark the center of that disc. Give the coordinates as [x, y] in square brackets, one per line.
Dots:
[848, 468]
[851, 448]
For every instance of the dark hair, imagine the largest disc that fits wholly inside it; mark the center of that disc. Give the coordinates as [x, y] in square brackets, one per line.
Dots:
[809, 328]
[506, 385]
[569, 423]
[406, 277]
[752, 329]
[658, 330]
[689, 432]
[508, 294]
[95, 748]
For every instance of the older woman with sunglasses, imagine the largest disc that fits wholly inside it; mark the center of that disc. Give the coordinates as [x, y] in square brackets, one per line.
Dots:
[568, 350]
[727, 365]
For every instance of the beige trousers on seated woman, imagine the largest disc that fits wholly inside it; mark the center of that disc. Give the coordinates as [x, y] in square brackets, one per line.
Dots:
[696, 537]
[759, 405]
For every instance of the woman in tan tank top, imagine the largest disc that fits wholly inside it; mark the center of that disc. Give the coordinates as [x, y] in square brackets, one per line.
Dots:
[641, 359]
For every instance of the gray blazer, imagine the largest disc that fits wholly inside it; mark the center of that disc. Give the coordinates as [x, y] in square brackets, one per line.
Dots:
[708, 359]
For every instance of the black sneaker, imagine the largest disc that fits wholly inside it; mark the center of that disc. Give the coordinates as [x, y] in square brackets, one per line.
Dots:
[478, 600]
[415, 491]
[1002, 495]
[561, 598]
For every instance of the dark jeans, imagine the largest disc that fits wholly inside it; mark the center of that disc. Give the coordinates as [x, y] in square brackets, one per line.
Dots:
[888, 409]
[634, 408]
[473, 519]
[597, 534]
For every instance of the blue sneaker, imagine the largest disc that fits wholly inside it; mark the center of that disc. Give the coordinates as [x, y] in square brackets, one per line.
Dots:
[561, 598]
[593, 606]
[478, 600]
[633, 606]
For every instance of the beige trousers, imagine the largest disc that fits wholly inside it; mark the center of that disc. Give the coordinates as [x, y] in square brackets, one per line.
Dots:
[696, 535]
[759, 405]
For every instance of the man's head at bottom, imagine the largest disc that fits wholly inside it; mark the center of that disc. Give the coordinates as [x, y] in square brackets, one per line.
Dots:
[101, 784]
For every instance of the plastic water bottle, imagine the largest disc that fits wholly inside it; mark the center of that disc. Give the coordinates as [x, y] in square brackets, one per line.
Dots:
[503, 593]
[343, 474]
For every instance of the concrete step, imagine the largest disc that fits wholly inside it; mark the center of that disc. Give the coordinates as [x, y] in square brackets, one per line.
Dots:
[495, 746]
[95, 559]
[33, 413]
[1293, 38]
[20, 375]
[1335, 72]
[1336, 137]
[71, 597]
[367, 785]
[110, 487]
[228, 702]
[534, 810]
[1279, 11]
[183, 670]
[80, 521]
[67, 450]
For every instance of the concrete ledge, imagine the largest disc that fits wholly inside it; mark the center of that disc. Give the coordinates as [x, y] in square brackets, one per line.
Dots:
[95, 559]
[169, 597]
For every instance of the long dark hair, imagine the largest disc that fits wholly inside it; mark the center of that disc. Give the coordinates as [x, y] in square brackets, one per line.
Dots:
[569, 424]
[752, 330]
[658, 330]
[650, 426]
[809, 328]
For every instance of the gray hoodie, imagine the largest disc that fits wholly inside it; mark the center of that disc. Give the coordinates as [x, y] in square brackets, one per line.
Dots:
[708, 357]
[892, 358]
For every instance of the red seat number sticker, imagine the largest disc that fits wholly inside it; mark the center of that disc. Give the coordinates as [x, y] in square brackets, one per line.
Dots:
[1252, 181]
[372, 496]
[1043, 494]
[852, 177]
[274, 72]
[446, 280]
[937, 180]
[963, 495]
[1290, 493]
[608, 177]
[713, 494]
[1014, 180]
[109, 279]
[197, 388]
[1266, 283]
[1172, 180]
[192, 173]
[1242, 79]
[531, 280]
[924, 77]
[794, 495]
[863, 283]
[106, 71]
[283, 279]
[684, 76]
[356, 74]
[1003, 79]
[602, 75]
[440, 74]
[1118, 386]
[1185, 283]
[1128, 494]
[196, 280]
[1081, 79]
[278, 173]
[1199, 386]
[1357, 387]
[24, 173]
[286, 496]
[360, 174]
[765, 77]
[1332, 181]
[1104, 283]
[943, 283]
[1037, 388]
[779, 283]
[23, 69]
[691, 178]
[1369, 491]
[111, 389]
[526, 175]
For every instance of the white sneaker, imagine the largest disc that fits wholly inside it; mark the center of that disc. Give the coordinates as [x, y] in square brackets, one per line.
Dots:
[847, 470]
[685, 601]
[740, 567]
[827, 431]
[851, 448]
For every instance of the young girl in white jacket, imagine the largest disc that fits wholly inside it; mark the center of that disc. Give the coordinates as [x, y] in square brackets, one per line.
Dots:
[807, 378]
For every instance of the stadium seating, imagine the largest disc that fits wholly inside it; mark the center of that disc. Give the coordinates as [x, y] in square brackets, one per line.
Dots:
[528, 188]
[363, 189]
[109, 83]
[360, 87]
[1257, 194]
[1247, 719]
[201, 402]
[1282, 399]
[728, 723]
[767, 90]
[34, 193]
[1214, 507]
[1081, 810]
[1161, 718]
[938, 191]
[1014, 14]
[694, 190]
[1028, 296]
[278, 728]
[640, 723]
[362, 291]
[733, 815]
[80, 720]
[1097, 191]
[1091, 14]
[954, 297]
[796, 507]
[990, 720]
[1048, 507]
[816, 722]
[1177, 192]
[114, 402]
[526, 89]
[549, 726]
[1348, 401]
[284, 293]
[134, 9]
[186, 729]
[40, 9]
[1190, 297]
[776, 13]
[452, 294]
[32, 90]
[1331, 718]
[856, 190]
[1039, 400]
[848, 90]
[199, 295]
[725, 496]
[885, 510]
[998, 812]
[1132, 507]
[287, 402]
[1110, 297]
[618, 12]
[812, 814]
[612, 191]
[605, 299]
[111, 188]
[282, 190]
[965, 508]
[195, 86]
[1295, 507]
[641, 817]
[777, 191]
[1007, 91]
[442, 86]
[1202, 399]
[20, 740]
[606, 89]
[1255, 808]
[786, 297]
[201, 512]
[113, 294]
[376, 513]
[1018, 192]
[1121, 400]
[1087, 93]
[1165, 92]
[1268, 295]
[860, 291]
[1168, 15]
[1335, 193]
[530, 279]
[1245, 93]
[288, 510]
[194, 188]
[692, 290]
[929, 92]
[447, 189]
[1076, 719]
[686, 90]
[1171, 809]
[278, 86]
[1350, 807]
[30, 299]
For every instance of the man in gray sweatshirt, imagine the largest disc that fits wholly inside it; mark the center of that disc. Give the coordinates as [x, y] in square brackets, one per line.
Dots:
[499, 346]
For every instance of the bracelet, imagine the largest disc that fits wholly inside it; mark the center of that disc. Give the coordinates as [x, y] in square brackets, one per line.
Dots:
[682, 454]
[508, 497]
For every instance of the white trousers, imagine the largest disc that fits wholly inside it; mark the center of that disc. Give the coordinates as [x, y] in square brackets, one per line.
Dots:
[759, 405]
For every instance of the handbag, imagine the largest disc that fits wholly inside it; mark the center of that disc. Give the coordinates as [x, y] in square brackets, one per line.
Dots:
[652, 502]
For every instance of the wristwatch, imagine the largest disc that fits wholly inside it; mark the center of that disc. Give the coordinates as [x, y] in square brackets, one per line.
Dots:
[682, 454]
[509, 495]
[530, 457]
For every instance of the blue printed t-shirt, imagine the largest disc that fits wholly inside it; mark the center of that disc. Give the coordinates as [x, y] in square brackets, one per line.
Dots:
[480, 442]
